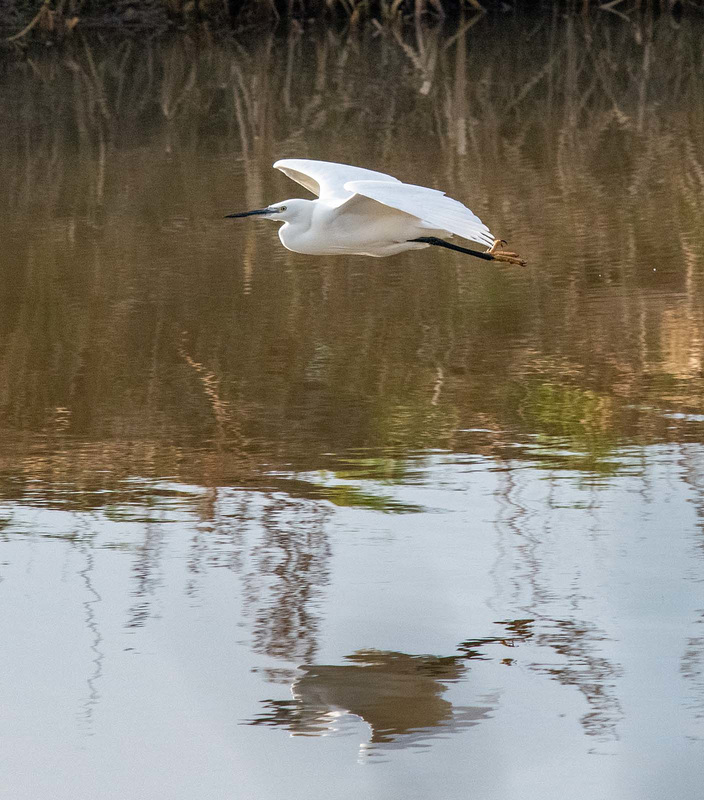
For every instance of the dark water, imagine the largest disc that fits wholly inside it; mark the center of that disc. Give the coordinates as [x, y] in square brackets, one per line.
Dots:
[280, 526]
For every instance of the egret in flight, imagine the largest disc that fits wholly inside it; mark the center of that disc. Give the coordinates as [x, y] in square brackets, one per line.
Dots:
[362, 212]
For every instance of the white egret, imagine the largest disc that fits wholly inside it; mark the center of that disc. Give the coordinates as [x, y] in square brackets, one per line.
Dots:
[362, 212]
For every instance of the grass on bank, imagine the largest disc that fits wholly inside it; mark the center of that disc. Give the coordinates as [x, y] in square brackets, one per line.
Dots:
[55, 19]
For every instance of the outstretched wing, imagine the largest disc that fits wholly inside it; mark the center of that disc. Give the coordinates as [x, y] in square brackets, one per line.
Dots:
[435, 208]
[327, 179]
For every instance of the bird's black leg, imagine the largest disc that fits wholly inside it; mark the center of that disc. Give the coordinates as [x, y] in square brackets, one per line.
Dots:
[511, 258]
[442, 243]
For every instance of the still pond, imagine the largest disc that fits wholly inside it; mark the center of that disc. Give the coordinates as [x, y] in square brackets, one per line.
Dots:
[420, 528]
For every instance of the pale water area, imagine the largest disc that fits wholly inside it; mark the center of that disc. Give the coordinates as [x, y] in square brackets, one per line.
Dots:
[274, 526]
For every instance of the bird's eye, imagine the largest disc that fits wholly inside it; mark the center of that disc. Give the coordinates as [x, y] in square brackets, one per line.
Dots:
[282, 208]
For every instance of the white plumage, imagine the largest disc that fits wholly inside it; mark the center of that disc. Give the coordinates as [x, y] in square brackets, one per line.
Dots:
[327, 179]
[434, 208]
[363, 212]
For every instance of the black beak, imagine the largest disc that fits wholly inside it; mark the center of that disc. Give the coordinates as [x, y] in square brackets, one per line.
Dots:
[248, 213]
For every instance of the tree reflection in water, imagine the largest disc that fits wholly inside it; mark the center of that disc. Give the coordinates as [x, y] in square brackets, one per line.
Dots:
[571, 649]
[289, 566]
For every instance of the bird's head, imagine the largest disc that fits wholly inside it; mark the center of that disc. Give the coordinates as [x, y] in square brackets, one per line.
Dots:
[285, 211]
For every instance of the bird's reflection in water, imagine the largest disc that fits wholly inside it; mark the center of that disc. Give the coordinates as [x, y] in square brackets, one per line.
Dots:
[399, 696]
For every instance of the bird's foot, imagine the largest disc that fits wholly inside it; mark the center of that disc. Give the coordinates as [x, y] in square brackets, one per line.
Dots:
[509, 258]
[499, 254]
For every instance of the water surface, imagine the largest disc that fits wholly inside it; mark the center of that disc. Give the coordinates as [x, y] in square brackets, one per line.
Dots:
[280, 526]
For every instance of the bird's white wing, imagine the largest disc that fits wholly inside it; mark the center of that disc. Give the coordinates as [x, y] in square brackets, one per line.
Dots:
[435, 208]
[327, 179]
